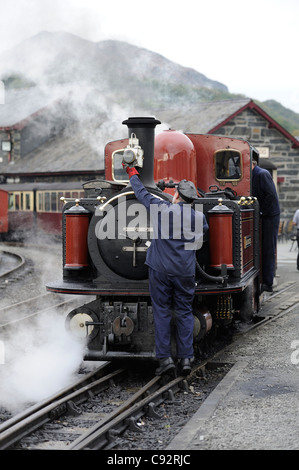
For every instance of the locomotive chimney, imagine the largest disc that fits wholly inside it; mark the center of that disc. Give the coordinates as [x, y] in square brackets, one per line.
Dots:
[144, 129]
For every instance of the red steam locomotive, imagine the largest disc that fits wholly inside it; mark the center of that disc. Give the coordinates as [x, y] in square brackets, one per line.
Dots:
[107, 232]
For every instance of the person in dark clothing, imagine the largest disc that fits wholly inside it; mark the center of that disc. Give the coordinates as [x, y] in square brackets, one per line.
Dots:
[263, 188]
[171, 259]
[296, 222]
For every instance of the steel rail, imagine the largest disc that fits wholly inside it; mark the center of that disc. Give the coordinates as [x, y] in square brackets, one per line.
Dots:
[61, 303]
[14, 429]
[15, 268]
[101, 433]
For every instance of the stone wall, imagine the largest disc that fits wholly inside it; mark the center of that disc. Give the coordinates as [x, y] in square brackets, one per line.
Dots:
[14, 137]
[251, 126]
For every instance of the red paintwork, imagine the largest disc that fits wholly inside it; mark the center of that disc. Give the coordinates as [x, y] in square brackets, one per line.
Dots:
[27, 221]
[109, 149]
[76, 249]
[205, 147]
[190, 156]
[221, 239]
[247, 225]
[20, 221]
[175, 157]
[3, 211]
[49, 222]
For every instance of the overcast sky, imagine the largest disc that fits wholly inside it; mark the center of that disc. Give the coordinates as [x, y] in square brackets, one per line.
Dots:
[251, 47]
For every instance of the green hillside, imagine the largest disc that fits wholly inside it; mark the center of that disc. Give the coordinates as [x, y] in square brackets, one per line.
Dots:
[284, 116]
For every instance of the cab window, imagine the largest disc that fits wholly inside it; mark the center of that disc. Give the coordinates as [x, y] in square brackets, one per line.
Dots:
[118, 173]
[228, 165]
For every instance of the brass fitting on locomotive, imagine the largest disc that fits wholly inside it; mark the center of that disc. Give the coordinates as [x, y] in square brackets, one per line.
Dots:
[246, 201]
[224, 309]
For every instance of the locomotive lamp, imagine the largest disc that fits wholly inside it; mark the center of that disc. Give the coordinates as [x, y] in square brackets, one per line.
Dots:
[133, 153]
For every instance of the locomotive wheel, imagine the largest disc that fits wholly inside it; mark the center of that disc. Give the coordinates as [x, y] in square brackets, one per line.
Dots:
[247, 309]
[202, 323]
[125, 327]
[77, 323]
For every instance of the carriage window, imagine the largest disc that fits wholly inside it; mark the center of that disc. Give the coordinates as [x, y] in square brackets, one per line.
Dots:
[228, 165]
[60, 203]
[53, 202]
[11, 202]
[17, 202]
[118, 173]
[40, 202]
[27, 202]
[47, 202]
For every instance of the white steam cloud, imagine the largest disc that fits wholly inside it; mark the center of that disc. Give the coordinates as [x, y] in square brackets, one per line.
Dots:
[39, 360]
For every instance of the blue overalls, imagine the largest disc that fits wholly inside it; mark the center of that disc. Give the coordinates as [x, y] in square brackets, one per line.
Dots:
[263, 188]
[178, 232]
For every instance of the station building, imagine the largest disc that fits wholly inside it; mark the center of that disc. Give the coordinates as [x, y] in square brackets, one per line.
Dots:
[40, 140]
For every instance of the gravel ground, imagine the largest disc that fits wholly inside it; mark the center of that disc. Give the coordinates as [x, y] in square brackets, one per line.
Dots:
[260, 412]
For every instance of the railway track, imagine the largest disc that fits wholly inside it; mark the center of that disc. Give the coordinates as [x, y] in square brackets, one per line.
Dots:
[26, 310]
[10, 263]
[102, 429]
[74, 418]
[278, 303]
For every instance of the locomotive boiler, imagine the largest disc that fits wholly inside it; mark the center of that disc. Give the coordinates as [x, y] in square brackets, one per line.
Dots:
[107, 232]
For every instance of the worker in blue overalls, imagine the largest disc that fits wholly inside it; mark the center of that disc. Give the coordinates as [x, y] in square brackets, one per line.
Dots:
[263, 188]
[171, 259]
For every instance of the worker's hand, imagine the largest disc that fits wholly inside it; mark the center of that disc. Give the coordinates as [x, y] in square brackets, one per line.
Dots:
[130, 170]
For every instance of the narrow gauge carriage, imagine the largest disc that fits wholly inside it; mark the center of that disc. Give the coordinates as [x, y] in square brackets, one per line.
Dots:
[34, 207]
[107, 232]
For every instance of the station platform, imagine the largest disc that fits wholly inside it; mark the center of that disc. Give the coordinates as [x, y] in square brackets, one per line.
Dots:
[256, 405]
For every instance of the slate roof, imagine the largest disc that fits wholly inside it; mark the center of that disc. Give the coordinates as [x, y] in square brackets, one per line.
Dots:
[208, 117]
[78, 149]
[203, 116]
[72, 150]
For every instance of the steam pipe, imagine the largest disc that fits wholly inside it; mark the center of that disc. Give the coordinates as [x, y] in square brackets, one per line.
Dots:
[222, 279]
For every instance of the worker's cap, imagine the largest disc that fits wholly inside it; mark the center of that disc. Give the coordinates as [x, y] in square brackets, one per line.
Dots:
[187, 191]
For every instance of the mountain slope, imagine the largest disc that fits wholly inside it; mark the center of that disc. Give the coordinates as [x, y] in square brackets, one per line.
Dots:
[111, 77]
[64, 57]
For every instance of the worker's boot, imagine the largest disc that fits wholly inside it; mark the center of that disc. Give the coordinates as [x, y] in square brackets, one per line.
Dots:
[166, 366]
[185, 366]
